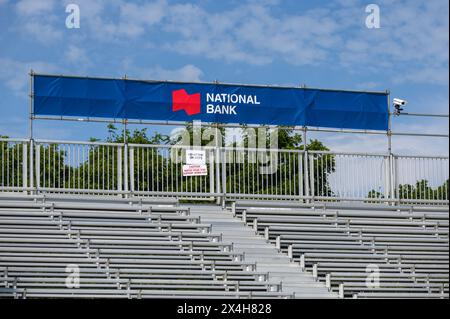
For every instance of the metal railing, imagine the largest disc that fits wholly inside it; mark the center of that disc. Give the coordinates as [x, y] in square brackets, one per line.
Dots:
[421, 179]
[77, 166]
[261, 173]
[14, 163]
[157, 169]
[351, 176]
[41, 166]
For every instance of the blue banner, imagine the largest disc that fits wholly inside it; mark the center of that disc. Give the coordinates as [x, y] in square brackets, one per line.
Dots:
[213, 103]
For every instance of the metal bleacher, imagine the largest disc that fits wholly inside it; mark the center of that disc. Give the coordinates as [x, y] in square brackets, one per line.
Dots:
[123, 248]
[155, 248]
[345, 246]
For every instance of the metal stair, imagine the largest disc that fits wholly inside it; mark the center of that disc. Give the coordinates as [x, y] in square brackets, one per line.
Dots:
[256, 249]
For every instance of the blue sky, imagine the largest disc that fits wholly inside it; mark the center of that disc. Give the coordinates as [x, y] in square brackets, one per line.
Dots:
[317, 43]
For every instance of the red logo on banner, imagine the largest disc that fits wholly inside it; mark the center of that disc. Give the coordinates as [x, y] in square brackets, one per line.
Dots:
[190, 103]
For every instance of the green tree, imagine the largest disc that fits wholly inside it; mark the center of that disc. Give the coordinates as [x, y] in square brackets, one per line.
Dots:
[11, 156]
[420, 190]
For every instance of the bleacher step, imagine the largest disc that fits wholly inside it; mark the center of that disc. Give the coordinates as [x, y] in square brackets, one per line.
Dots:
[256, 249]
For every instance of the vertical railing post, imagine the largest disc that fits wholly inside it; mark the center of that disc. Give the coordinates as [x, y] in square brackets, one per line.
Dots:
[31, 165]
[222, 163]
[300, 175]
[395, 178]
[217, 172]
[131, 148]
[311, 176]
[119, 169]
[306, 176]
[387, 179]
[306, 164]
[392, 179]
[38, 167]
[25, 166]
[125, 170]
[218, 145]
[212, 172]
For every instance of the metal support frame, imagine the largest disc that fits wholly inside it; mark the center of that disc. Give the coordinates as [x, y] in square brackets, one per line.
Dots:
[31, 111]
[125, 155]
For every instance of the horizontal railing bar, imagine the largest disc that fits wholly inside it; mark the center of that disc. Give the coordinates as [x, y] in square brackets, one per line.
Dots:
[421, 156]
[349, 153]
[249, 149]
[38, 141]
[424, 115]
[420, 135]
[226, 148]
[171, 146]
[18, 140]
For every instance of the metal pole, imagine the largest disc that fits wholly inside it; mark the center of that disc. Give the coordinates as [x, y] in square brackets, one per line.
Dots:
[306, 165]
[31, 105]
[305, 141]
[391, 157]
[125, 162]
[424, 115]
[217, 165]
[389, 131]
[31, 157]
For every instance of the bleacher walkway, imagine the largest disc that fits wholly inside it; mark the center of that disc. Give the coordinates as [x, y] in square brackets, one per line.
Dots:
[257, 250]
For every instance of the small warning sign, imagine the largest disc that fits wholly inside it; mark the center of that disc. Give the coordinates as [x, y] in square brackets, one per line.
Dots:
[195, 170]
[195, 157]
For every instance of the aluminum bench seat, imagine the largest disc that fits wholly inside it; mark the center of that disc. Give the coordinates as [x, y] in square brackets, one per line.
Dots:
[86, 206]
[354, 290]
[384, 295]
[351, 267]
[384, 231]
[173, 274]
[98, 234]
[401, 286]
[385, 240]
[437, 249]
[113, 283]
[351, 222]
[133, 294]
[382, 256]
[80, 224]
[186, 262]
[88, 198]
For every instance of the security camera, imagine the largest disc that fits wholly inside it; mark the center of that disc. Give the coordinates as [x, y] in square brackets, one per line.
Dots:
[400, 102]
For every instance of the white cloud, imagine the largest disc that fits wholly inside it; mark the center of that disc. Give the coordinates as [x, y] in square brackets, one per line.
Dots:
[3, 2]
[251, 34]
[75, 54]
[370, 86]
[411, 46]
[34, 7]
[149, 13]
[15, 74]
[38, 20]
[42, 31]
[186, 73]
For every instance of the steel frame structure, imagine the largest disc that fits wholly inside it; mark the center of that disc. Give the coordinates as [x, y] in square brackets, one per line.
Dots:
[306, 182]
